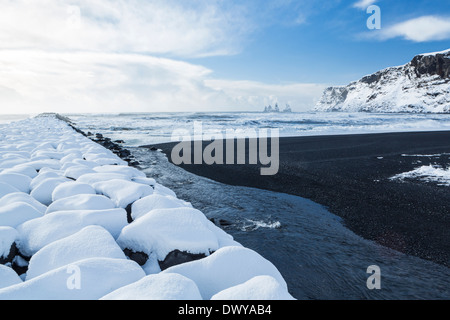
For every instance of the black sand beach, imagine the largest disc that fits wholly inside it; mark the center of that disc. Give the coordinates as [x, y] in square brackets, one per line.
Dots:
[349, 174]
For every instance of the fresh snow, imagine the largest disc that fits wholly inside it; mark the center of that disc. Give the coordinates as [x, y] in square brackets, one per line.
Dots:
[90, 242]
[62, 202]
[6, 189]
[17, 180]
[127, 171]
[97, 277]
[8, 236]
[170, 286]
[257, 288]
[93, 178]
[155, 201]
[81, 202]
[8, 277]
[43, 192]
[121, 192]
[22, 197]
[23, 169]
[75, 171]
[429, 173]
[36, 234]
[16, 213]
[162, 231]
[225, 268]
[42, 177]
[71, 188]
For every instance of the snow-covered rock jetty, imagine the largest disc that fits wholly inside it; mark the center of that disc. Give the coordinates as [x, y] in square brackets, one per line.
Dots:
[77, 222]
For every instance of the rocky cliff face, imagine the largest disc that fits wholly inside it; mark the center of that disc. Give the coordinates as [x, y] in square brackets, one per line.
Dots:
[422, 85]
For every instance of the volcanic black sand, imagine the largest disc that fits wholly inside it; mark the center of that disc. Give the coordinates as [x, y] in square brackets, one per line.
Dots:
[349, 174]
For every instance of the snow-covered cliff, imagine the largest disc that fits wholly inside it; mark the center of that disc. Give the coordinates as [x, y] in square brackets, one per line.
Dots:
[420, 86]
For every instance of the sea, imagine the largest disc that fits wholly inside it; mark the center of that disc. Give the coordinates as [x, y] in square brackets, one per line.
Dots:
[318, 256]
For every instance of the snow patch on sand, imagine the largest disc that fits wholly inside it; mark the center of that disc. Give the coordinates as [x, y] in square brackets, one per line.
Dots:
[429, 173]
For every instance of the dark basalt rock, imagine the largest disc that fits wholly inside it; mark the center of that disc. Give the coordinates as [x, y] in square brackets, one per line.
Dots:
[178, 257]
[128, 210]
[371, 78]
[438, 64]
[134, 164]
[224, 223]
[12, 253]
[19, 262]
[139, 257]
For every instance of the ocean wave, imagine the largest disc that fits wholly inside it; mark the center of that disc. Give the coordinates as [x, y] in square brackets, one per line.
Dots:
[252, 225]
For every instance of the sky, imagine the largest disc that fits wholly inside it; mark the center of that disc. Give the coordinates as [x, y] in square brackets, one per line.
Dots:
[112, 56]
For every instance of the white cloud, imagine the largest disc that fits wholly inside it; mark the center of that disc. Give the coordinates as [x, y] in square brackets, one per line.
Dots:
[421, 29]
[108, 82]
[101, 56]
[178, 28]
[364, 4]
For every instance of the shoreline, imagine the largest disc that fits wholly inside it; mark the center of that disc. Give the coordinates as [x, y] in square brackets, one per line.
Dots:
[349, 175]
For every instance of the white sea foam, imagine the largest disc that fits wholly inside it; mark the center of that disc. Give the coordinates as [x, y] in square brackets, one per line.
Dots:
[431, 173]
[251, 225]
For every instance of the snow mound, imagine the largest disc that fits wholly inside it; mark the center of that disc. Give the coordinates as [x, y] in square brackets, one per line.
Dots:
[45, 163]
[42, 176]
[71, 188]
[8, 277]
[168, 286]
[6, 189]
[144, 180]
[22, 197]
[14, 214]
[127, 171]
[8, 236]
[19, 181]
[43, 192]
[9, 163]
[162, 190]
[76, 171]
[22, 169]
[36, 234]
[155, 201]
[123, 192]
[90, 242]
[162, 231]
[93, 178]
[88, 279]
[81, 202]
[257, 288]
[226, 268]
